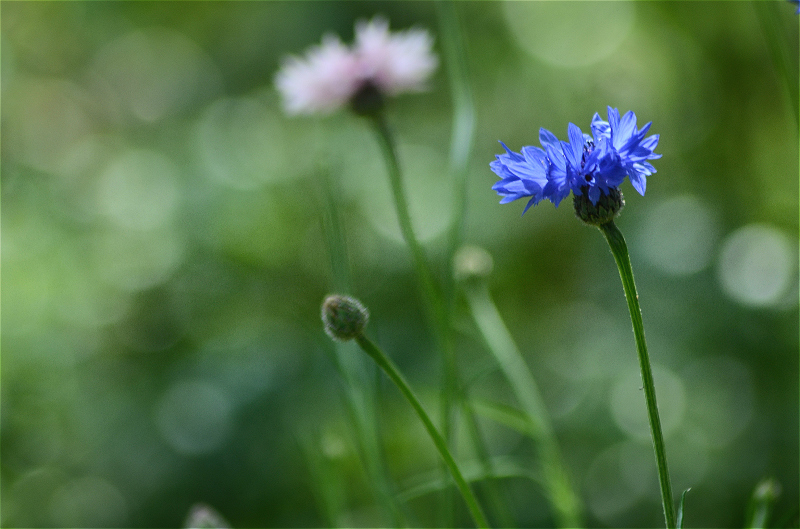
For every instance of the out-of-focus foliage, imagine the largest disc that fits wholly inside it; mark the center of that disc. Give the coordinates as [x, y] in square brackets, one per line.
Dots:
[164, 258]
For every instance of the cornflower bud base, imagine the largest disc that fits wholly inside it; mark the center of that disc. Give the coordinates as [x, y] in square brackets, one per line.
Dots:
[607, 207]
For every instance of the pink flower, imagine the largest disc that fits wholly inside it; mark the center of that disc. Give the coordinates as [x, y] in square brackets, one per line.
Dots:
[321, 82]
[395, 64]
[331, 74]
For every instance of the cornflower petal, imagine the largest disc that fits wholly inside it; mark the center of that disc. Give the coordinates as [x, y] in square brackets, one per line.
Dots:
[600, 129]
[523, 174]
[574, 149]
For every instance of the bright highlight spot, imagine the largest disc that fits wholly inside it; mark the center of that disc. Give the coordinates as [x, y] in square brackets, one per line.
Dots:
[629, 409]
[569, 34]
[678, 236]
[194, 417]
[757, 264]
[139, 190]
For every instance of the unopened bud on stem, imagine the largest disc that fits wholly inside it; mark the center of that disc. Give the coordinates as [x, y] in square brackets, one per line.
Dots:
[344, 317]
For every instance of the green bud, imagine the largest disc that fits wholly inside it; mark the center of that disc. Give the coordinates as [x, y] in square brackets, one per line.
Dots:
[471, 262]
[767, 490]
[344, 317]
[202, 516]
[607, 207]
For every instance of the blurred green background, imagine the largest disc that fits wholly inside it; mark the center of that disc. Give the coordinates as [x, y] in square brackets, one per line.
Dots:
[164, 256]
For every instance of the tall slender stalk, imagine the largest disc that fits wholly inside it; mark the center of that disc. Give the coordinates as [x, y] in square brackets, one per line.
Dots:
[619, 250]
[359, 392]
[429, 288]
[389, 368]
[462, 138]
[563, 500]
[433, 296]
[464, 120]
[769, 15]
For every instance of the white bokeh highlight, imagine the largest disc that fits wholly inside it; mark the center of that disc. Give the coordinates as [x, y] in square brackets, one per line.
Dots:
[758, 266]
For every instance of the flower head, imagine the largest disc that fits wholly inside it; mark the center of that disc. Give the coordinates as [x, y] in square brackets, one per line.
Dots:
[332, 75]
[627, 148]
[397, 63]
[593, 165]
[798, 6]
[321, 82]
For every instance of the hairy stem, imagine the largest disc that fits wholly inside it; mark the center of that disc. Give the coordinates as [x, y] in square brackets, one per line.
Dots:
[620, 252]
[563, 500]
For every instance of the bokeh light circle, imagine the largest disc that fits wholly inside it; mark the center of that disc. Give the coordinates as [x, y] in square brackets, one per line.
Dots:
[194, 417]
[240, 143]
[678, 236]
[757, 264]
[427, 187]
[616, 479]
[153, 73]
[569, 34]
[139, 190]
[721, 393]
[628, 406]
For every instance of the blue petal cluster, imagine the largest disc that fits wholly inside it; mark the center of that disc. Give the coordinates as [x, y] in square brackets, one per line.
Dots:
[798, 6]
[585, 164]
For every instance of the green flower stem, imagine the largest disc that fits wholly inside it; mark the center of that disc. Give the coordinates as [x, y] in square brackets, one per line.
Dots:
[358, 390]
[620, 251]
[464, 114]
[461, 141]
[565, 503]
[770, 15]
[432, 294]
[389, 368]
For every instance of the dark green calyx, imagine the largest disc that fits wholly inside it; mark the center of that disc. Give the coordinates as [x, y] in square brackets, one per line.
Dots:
[607, 208]
[344, 317]
[367, 101]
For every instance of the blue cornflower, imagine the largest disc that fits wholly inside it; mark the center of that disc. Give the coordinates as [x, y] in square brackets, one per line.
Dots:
[523, 175]
[626, 149]
[593, 165]
[798, 6]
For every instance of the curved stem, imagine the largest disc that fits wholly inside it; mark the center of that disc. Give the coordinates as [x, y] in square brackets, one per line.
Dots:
[464, 115]
[389, 368]
[620, 251]
[769, 15]
[432, 294]
[358, 390]
[404, 218]
[563, 500]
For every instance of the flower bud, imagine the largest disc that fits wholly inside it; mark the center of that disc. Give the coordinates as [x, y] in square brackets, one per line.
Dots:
[767, 490]
[608, 206]
[471, 262]
[344, 317]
